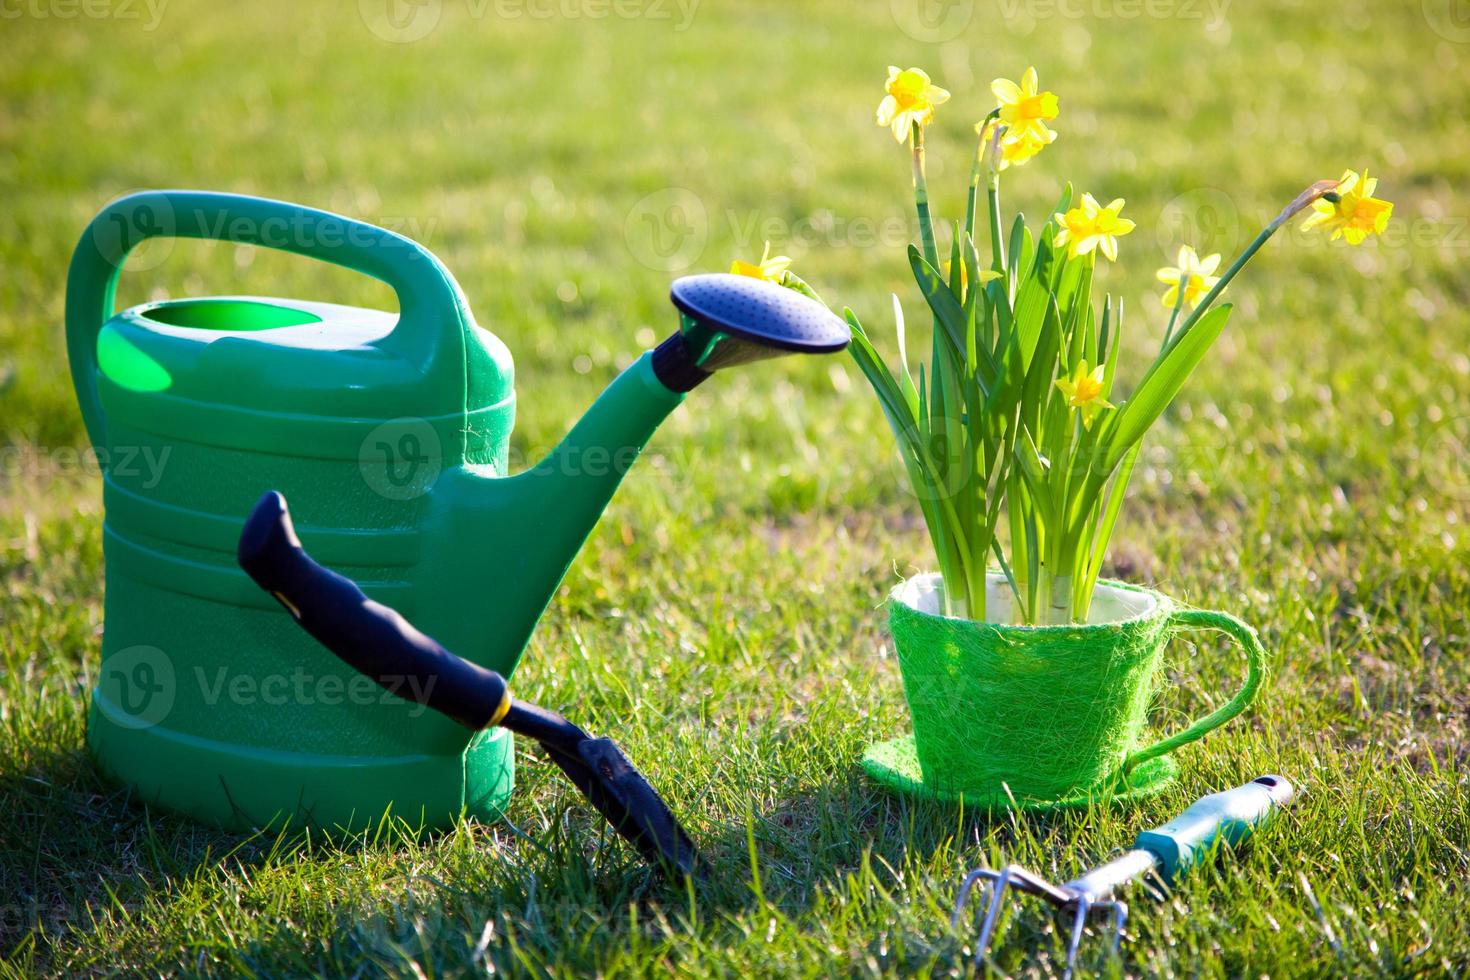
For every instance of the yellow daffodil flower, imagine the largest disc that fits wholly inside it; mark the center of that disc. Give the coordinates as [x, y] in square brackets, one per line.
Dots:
[910, 100]
[1013, 149]
[1093, 226]
[1024, 110]
[1354, 213]
[1194, 274]
[1084, 392]
[771, 268]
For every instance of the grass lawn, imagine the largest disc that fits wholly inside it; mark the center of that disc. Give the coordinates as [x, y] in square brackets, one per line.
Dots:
[725, 622]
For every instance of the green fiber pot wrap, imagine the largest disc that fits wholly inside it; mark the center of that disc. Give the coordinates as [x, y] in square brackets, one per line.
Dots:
[1007, 715]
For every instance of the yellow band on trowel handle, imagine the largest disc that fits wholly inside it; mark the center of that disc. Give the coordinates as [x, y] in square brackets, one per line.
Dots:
[501, 710]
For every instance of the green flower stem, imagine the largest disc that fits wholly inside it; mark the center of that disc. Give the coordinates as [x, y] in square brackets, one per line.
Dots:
[921, 199]
[1236, 266]
[977, 171]
[997, 248]
[1306, 198]
[1174, 316]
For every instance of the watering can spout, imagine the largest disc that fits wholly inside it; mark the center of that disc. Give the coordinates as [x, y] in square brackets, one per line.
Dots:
[513, 537]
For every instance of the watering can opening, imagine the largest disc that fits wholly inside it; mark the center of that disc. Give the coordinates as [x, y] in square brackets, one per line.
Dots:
[244, 315]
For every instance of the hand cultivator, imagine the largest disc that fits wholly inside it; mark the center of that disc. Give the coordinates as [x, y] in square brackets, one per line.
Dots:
[1221, 819]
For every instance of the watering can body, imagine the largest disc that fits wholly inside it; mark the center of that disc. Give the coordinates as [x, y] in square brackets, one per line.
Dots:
[389, 435]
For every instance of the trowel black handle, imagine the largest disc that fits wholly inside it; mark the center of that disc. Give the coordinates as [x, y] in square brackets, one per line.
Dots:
[367, 635]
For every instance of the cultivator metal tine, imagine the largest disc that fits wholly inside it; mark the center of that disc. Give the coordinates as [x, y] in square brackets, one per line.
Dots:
[992, 912]
[1085, 907]
[1079, 923]
[1011, 877]
[1016, 878]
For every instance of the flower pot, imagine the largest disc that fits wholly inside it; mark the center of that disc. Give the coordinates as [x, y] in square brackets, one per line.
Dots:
[1035, 717]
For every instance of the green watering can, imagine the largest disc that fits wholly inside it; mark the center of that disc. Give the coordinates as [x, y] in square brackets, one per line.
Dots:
[389, 435]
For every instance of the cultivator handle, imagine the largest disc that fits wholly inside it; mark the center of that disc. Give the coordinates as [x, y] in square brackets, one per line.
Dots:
[1219, 819]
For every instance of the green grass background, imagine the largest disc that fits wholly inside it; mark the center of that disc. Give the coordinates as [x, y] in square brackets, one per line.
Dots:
[725, 621]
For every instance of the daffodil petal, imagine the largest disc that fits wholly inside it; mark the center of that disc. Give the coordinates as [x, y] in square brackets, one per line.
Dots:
[886, 109]
[1006, 91]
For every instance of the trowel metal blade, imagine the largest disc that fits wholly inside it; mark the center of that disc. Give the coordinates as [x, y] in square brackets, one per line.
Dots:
[627, 801]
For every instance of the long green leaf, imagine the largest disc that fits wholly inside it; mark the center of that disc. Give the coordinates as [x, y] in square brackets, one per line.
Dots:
[1161, 384]
[947, 310]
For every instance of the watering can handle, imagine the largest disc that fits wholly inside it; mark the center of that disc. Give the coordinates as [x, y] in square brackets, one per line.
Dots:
[433, 315]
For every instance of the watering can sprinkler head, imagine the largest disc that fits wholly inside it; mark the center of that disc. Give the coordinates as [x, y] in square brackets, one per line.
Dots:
[727, 320]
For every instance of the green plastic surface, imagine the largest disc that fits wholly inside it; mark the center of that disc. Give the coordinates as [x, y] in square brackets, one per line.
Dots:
[388, 436]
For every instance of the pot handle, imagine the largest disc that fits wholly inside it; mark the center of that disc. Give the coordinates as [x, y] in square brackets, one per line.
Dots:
[1257, 666]
[433, 314]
